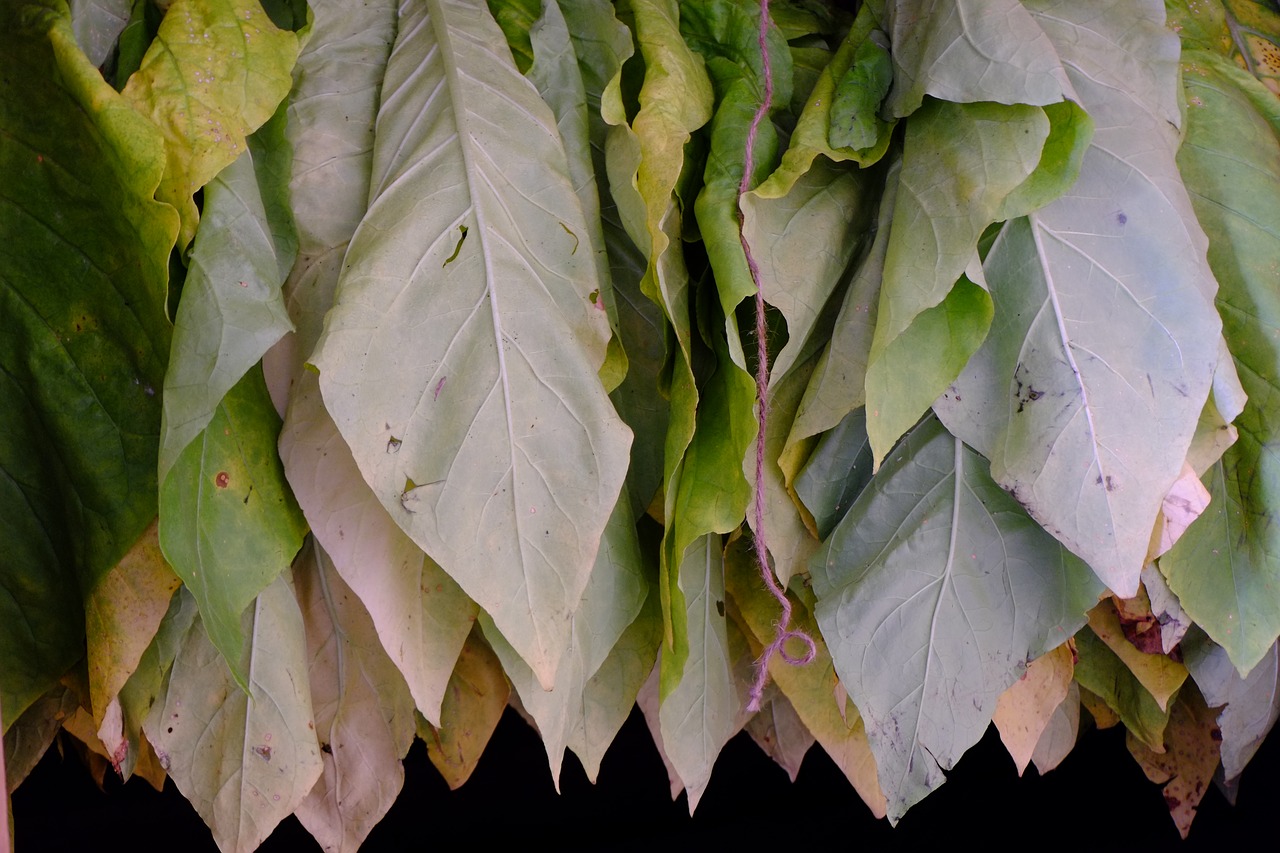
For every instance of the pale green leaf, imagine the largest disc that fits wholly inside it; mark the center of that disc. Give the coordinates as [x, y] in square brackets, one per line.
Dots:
[1103, 674]
[214, 74]
[933, 593]
[244, 760]
[363, 710]
[1088, 389]
[804, 242]
[836, 473]
[473, 705]
[1226, 568]
[28, 737]
[1252, 703]
[558, 73]
[421, 615]
[700, 710]
[229, 524]
[968, 51]
[97, 24]
[83, 339]
[611, 602]
[505, 384]
[231, 310]
[838, 384]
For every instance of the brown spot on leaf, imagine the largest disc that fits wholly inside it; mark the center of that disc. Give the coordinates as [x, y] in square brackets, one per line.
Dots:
[222, 480]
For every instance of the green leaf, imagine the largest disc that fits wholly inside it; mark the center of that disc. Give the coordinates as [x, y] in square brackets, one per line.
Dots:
[244, 759]
[1086, 394]
[517, 19]
[505, 383]
[1252, 702]
[231, 310]
[933, 593]
[612, 601]
[857, 97]
[215, 72]
[1099, 671]
[967, 51]
[228, 523]
[28, 737]
[83, 340]
[1226, 568]
[960, 162]
[727, 35]
[363, 710]
[700, 710]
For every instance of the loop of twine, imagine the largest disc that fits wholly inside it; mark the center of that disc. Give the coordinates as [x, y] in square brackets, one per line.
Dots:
[783, 630]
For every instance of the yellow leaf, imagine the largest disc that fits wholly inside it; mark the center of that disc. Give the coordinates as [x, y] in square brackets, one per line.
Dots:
[1025, 709]
[473, 705]
[1160, 675]
[1190, 758]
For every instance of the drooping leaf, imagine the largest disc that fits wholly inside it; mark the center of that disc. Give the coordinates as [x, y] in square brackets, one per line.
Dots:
[122, 614]
[421, 615]
[229, 524]
[838, 384]
[1059, 735]
[963, 166]
[1024, 711]
[231, 310]
[612, 601]
[1226, 568]
[1086, 425]
[244, 760]
[1186, 766]
[937, 582]
[28, 737]
[121, 729]
[855, 73]
[363, 711]
[836, 472]
[969, 51]
[505, 384]
[215, 73]
[810, 689]
[778, 731]
[1104, 675]
[701, 707]
[1160, 675]
[649, 703]
[1252, 703]
[473, 705]
[83, 339]
[562, 78]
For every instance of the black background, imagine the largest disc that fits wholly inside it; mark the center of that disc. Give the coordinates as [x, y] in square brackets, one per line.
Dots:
[1097, 799]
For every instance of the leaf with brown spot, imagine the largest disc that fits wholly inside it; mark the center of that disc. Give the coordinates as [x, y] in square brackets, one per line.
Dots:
[1160, 675]
[1026, 709]
[1187, 765]
[473, 705]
